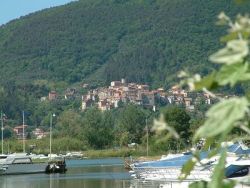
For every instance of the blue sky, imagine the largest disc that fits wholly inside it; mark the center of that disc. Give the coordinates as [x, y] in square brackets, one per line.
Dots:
[11, 9]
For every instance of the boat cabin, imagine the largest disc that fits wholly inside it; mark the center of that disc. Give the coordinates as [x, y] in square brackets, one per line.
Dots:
[18, 160]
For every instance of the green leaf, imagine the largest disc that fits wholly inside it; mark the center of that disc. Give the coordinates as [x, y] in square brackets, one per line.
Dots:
[218, 173]
[198, 184]
[234, 35]
[228, 184]
[212, 153]
[160, 125]
[208, 82]
[222, 117]
[231, 74]
[208, 143]
[187, 168]
[234, 52]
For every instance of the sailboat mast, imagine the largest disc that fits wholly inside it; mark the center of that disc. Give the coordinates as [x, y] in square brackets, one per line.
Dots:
[2, 129]
[50, 135]
[23, 135]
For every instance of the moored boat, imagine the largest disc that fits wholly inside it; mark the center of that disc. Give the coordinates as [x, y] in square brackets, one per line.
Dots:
[23, 164]
[169, 169]
[3, 158]
[20, 164]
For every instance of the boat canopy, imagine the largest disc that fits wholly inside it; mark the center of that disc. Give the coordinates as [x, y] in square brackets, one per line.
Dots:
[172, 162]
[239, 149]
[178, 161]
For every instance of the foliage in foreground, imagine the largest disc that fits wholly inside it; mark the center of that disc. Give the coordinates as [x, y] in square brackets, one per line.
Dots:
[229, 113]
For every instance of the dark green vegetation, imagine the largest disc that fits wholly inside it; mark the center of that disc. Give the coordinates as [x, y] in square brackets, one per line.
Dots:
[113, 130]
[94, 42]
[145, 41]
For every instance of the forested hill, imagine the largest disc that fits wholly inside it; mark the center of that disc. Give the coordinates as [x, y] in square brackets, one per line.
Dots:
[96, 41]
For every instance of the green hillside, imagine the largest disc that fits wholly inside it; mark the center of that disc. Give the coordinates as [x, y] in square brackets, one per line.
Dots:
[97, 41]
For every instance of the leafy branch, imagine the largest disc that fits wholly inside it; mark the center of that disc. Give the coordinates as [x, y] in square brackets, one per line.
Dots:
[228, 113]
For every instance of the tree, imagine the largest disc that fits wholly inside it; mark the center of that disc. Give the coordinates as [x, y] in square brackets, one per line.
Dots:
[70, 123]
[98, 128]
[7, 133]
[132, 120]
[178, 119]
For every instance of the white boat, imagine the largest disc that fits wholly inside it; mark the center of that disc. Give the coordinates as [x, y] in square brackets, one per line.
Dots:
[74, 155]
[169, 168]
[21, 164]
[3, 158]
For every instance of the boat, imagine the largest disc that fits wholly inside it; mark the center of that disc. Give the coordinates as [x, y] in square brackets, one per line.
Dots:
[3, 158]
[21, 164]
[56, 165]
[169, 169]
[74, 155]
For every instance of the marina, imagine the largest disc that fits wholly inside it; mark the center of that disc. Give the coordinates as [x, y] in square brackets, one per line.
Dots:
[168, 169]
[101, 173]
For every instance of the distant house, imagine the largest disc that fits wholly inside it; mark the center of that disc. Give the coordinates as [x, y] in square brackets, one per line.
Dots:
[86, 103]
[52, 95]
[104, 105]
[39, 133]
[148, 99]
[143, 87]
[70, 93]
[43, 99]
[208, 101]
[84, 85]
[188, 101]
[116, 84]
[20, 131]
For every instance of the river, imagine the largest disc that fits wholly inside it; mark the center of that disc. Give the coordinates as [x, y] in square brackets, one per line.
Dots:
[89, 173]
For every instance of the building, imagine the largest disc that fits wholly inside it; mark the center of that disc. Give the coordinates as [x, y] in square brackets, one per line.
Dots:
[52, 95]
[20, 131]
[70, 93]
[39, 133]
[87, 103]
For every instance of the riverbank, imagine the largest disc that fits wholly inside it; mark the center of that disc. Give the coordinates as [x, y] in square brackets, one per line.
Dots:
[138, 153]
[67, 145]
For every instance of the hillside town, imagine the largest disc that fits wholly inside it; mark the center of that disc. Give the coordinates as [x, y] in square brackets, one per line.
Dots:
[106, 98]
[120, 93]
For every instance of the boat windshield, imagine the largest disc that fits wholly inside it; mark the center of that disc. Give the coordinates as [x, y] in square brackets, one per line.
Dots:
[18, 160]
[3, 156]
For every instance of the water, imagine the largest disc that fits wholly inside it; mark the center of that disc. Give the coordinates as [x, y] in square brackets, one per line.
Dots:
[89, 173]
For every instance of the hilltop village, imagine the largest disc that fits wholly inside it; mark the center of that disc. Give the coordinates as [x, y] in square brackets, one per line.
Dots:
[120, 93]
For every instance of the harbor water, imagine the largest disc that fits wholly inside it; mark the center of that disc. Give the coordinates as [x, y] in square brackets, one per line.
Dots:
[89, 173]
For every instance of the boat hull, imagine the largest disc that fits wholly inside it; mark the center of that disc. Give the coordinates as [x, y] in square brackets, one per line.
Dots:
[13, 169]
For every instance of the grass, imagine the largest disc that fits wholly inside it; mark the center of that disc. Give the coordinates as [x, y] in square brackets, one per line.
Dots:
[62, 146]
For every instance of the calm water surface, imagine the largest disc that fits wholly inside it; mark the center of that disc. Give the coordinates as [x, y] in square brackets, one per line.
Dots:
[92, 173]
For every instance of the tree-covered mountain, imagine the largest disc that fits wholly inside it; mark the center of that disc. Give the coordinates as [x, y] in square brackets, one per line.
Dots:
[97, 41]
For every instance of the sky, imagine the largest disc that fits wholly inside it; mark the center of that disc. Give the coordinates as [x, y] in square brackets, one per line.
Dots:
[11, 9]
